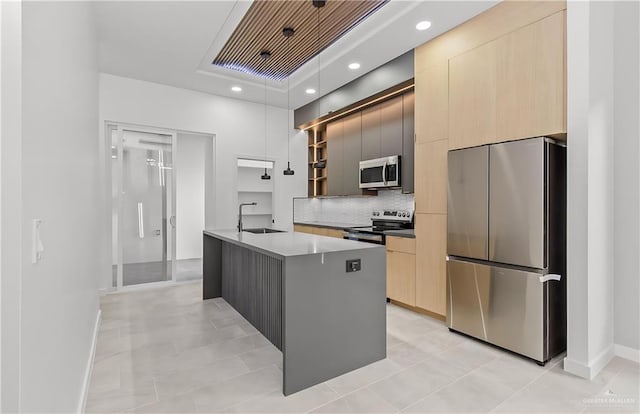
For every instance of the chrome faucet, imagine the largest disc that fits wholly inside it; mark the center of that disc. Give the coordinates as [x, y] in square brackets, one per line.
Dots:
[240, 214]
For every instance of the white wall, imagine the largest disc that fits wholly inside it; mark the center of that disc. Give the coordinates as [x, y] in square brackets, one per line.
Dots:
[602, 174]
[590, 187]
[626, 174]
[11, 149]
[190, 162]
[239, 129]
[60, 185]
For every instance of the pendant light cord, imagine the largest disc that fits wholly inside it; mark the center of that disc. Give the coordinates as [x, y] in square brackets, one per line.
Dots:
[318, 47]
[265, 124]
[288, 106]
[265, 55]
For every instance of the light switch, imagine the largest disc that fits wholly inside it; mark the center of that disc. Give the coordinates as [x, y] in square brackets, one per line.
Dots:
[37, 248]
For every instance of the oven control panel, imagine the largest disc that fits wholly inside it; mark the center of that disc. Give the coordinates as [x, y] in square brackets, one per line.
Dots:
[393, 215]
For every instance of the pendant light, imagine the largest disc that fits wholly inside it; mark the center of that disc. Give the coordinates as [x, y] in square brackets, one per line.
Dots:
[319, 165]
[288, 33]
[265, 55]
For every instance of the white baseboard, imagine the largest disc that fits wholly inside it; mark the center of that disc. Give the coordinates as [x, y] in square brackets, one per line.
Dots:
[82, 404]
[590, 370]
[627, 352]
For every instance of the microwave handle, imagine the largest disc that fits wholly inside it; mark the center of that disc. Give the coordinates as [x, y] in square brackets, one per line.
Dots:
[384, 173]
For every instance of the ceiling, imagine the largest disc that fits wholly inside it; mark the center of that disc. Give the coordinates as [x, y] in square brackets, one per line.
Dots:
[175, 43]
[310, 30]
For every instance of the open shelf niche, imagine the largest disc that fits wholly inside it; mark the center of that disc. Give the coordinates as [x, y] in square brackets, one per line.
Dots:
[317, 178]
[251, 188]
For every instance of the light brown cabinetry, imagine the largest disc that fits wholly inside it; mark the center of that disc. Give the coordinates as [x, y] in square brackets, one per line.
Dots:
[510, 88]
[320, 231]
[431, 177]
[432, 103]
[401, 268]
[531, 80]
[317, 153]
[500, 76]
[408, 142]
[431, 248]
[472, 97]
[301, 228]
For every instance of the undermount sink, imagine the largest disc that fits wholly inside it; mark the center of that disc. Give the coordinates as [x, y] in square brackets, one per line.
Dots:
[262, 230]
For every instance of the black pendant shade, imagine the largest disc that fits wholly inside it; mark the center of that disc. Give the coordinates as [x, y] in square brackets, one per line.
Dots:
[265, 176]
[288, 171]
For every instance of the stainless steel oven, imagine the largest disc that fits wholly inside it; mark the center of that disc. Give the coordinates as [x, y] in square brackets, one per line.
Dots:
[380, 172]
[381, 222]
[364, 235]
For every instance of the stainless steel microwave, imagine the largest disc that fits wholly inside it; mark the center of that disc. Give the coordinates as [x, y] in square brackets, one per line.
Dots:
[380, 172]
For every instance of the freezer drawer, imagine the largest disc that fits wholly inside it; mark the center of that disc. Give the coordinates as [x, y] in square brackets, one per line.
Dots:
[467, 203]
[502, 306]
[517, 203]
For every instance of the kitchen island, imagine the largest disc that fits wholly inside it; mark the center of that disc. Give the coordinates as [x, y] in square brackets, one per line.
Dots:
[320, 300]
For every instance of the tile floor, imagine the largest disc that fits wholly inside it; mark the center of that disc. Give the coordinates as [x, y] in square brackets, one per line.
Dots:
[166, 351]
[147, 272]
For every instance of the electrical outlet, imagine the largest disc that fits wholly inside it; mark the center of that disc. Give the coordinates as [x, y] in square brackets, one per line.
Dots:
[354, 265]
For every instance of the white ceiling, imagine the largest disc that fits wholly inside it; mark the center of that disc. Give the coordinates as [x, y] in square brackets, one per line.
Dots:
[173, 43]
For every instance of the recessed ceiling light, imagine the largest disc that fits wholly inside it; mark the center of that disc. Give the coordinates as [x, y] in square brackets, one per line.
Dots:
[423, 25]
[310, 91]
[236, 89]
[354, 66]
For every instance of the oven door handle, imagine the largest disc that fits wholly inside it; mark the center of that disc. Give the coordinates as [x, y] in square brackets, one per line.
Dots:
[363, 237]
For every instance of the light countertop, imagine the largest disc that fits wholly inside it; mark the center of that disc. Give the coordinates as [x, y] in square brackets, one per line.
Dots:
[290, 243]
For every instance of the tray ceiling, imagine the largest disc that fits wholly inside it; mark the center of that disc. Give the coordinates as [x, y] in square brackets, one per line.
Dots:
[261, 30]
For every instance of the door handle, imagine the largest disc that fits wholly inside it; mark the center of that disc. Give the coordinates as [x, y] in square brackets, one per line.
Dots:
[550, 276]
[172, 221]
[140, 221]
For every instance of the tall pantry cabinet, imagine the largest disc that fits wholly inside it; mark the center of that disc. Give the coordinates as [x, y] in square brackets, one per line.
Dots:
[499, 77]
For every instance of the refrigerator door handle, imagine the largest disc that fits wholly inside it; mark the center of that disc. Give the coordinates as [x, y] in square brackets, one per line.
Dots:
[550, 276]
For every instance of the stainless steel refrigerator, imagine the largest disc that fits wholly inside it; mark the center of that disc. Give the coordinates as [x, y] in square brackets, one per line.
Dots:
[506, 243]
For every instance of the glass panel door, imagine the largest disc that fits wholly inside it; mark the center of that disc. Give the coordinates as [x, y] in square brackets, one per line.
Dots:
[146, 205]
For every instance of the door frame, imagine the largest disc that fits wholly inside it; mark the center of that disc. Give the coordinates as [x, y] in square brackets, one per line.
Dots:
[121, 128]
[108, 174]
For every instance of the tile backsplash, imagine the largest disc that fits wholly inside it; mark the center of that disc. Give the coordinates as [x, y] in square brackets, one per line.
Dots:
[351, 210]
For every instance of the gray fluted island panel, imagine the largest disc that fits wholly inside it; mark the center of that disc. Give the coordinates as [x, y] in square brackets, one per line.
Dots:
[295, 289]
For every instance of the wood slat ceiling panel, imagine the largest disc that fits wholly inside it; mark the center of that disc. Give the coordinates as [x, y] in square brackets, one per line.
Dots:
[261, 29]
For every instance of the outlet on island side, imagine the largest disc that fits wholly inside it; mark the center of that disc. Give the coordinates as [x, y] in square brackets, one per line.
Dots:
[353, 265]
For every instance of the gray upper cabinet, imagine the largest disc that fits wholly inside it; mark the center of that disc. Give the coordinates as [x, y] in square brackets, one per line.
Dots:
[380, 131]
[371, 133]
[335, 159]
[352, 153]
[408, 142]
[391, 127]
